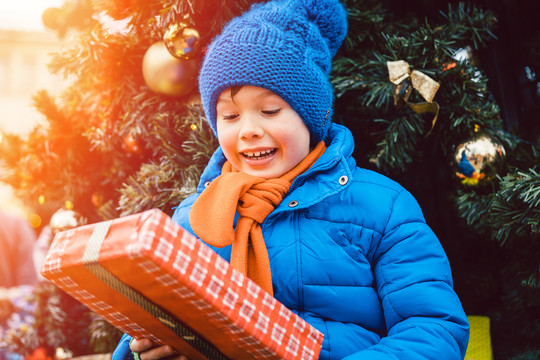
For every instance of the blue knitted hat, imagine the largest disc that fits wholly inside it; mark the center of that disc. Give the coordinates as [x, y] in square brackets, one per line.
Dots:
[285, 46]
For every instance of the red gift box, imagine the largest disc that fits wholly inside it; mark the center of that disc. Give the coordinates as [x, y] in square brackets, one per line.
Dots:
[150, 278]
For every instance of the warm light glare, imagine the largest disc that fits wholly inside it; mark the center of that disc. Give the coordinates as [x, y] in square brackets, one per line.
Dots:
[25, 51]
[69, 205]
[41, 199]
[193, 127]
[24, 14]
[35, 220]
[1, 136]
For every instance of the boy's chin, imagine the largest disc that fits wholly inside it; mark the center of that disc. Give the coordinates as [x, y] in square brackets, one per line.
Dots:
[268, 173]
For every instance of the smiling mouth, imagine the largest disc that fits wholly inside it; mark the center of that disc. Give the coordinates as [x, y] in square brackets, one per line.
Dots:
[258, 155]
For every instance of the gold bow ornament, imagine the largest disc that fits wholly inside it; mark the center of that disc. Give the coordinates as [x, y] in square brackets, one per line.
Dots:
[404, 80]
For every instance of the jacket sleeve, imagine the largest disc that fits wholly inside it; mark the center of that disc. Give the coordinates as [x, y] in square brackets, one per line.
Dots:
[424, 317]
[122, 351]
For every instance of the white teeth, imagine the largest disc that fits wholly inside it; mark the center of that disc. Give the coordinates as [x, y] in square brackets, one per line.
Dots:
[258, 153]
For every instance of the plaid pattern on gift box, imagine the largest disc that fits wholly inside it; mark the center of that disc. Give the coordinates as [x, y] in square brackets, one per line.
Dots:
[150, 278]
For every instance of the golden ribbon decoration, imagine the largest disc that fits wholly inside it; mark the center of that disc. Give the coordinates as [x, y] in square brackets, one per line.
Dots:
[400, 73]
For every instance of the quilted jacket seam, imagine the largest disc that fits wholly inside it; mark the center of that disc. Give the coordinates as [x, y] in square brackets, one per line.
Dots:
[385, 231]
[342, 222]
[397, 227]
[387, 295]
[380, 255]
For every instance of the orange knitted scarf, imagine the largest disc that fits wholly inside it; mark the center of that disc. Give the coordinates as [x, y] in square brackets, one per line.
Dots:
[254, 198]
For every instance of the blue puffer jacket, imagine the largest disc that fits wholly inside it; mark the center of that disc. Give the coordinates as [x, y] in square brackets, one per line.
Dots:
[350, 252]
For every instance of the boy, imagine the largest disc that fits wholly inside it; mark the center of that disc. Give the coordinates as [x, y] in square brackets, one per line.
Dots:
[345, 248]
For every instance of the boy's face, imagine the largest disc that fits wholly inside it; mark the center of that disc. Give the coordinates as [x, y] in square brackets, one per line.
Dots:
[259, 133]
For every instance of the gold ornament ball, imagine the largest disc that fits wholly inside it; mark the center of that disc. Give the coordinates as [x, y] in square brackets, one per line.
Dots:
[165, 74]
[182, 41]
[479, 160]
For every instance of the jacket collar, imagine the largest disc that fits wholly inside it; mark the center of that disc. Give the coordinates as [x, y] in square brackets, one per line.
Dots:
[212, 169]
[323, 178]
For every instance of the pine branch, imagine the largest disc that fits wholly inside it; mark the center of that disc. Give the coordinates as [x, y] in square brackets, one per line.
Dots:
[158, 186]
[399, 145]
[163, 185]
[474, 207]
[468, 22]
[515, 212]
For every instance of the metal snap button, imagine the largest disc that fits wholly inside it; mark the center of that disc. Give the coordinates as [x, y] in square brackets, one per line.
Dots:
[343, 180]
[206, 184]
[293, 203]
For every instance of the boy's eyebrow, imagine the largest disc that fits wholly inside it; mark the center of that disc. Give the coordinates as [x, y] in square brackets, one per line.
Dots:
[221, 99]
[267, 93]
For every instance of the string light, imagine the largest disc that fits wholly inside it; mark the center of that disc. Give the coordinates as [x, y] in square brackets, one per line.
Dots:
[193, 127]
[41, 199]
[35, 220]
[69, 205]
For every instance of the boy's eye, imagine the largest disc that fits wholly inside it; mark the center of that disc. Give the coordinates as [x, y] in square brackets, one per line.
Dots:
[230, 117]
[271, 112]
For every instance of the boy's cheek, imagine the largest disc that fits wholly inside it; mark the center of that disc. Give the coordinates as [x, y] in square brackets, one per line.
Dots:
[226, 135]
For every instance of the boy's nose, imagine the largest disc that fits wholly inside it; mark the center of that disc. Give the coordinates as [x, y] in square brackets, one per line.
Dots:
[251, 128]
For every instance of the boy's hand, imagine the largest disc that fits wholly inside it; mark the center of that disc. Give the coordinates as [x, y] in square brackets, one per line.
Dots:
[148, 351]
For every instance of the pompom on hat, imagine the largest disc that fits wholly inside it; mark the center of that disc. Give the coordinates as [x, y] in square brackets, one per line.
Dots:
[285, 46]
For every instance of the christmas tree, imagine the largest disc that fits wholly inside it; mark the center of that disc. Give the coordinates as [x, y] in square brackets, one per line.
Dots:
[129, 133]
